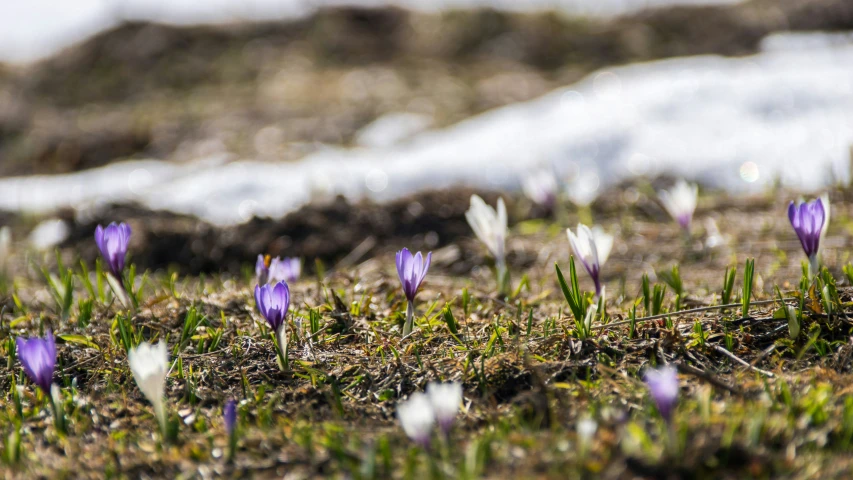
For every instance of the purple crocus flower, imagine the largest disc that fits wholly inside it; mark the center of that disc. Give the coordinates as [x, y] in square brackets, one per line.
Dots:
[112, 242]
[808, 218]
[411, 269]
[262, 269]
[230, 415]
[277, 269]
[38, 357]
[663, 387]
[273, 302]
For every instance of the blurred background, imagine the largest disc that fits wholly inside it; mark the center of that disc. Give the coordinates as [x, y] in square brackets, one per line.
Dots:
[224, 116]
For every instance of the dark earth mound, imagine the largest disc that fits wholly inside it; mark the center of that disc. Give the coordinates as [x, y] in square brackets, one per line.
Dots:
[327, 232]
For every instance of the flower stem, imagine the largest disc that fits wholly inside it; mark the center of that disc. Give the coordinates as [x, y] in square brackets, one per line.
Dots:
[160, 413]
[232, 446]
[117, 286]
[814, 265]
[55, 402]
[502, 277]
[671, 438]
[280, 343]
[410, 318]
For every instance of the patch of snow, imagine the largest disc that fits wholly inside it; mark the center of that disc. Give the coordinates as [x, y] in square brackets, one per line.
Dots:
[739, 124]
[392, 128]
[790, 41]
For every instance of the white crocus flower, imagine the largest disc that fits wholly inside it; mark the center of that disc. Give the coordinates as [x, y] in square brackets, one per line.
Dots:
[150, 365]
[417, 418]
[680, 202]
[490, 226]
[5, 246]
[445, 399]
[825, 200]
[586, 429]
[592, 247]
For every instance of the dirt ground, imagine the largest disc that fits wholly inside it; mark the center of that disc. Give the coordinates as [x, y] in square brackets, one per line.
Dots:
[756, 401]
[528, 374]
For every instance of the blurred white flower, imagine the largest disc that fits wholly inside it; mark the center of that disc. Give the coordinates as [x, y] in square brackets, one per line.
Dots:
[591, 311]
[5, 246]
[541, 187]
[680, 202]
[150, 365]
[417, 418]
[825, 200]
[489, 225]
[592, 247]
[586, 429]
[445, 399]
[713, 237]
[55, 395]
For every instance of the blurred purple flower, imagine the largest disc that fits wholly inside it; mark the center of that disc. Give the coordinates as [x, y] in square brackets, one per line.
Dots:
[38, 357]
[287, 269]
[230, 415]
[412, 269]
[262, 269]
[663, 387]
[271, 270]
[273, 302]
[541, 187]
[808, 219]
[112, 242]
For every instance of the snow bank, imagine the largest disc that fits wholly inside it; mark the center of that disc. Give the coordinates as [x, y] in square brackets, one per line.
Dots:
[739, 124]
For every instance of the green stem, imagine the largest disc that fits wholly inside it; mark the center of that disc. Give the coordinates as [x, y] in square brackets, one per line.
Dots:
[280, 343]
[814, 265]
[410, 319]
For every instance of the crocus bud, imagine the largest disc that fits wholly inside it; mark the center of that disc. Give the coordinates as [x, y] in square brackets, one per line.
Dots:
[38, 357]
[149, 365]
[489, 226]
[112, 242]
[273, 301]
[808, 220]
[412, 270]
[230, 416]
[663, 387]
